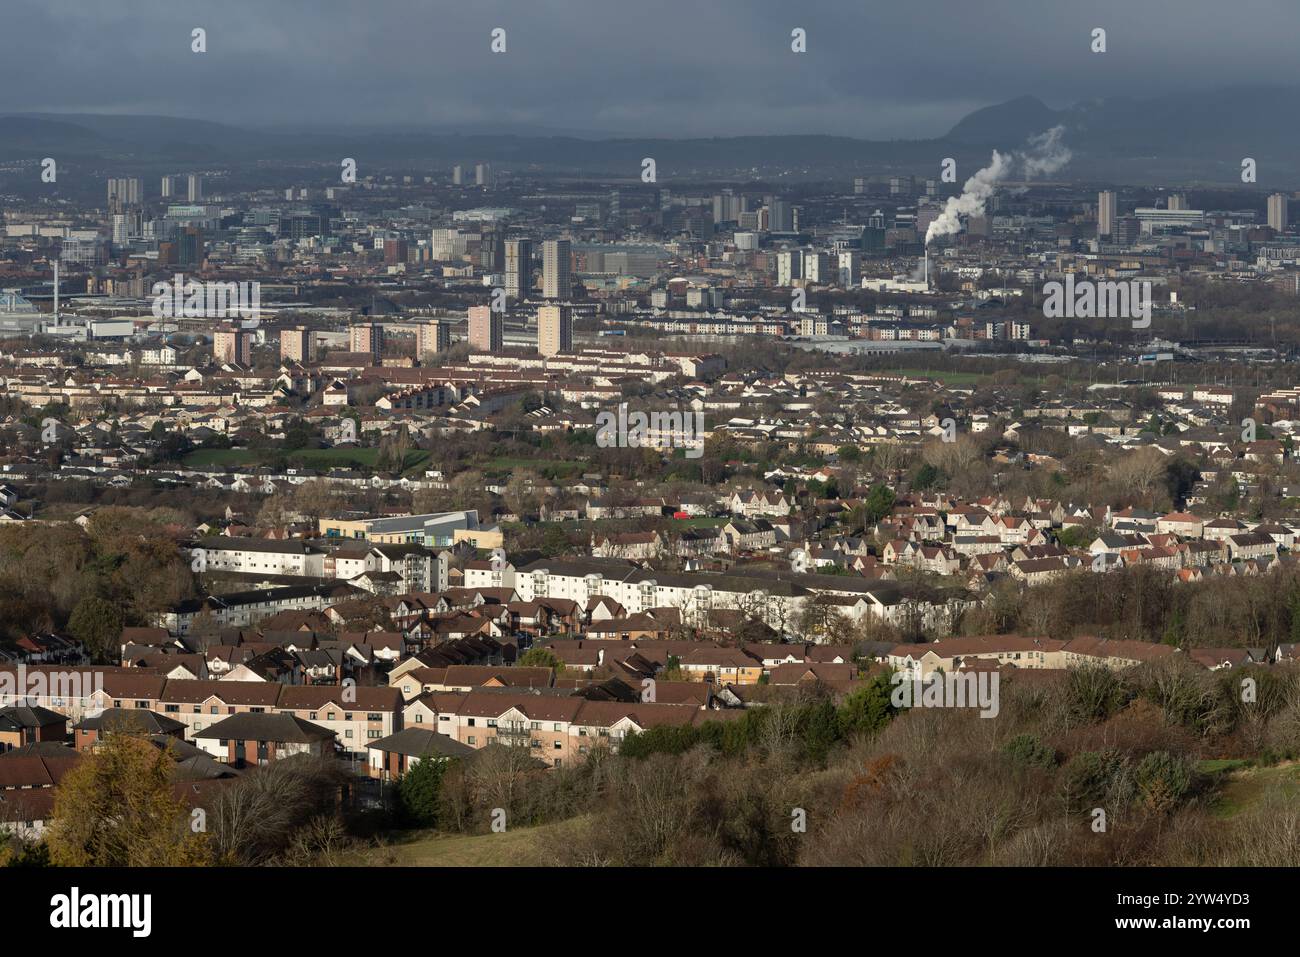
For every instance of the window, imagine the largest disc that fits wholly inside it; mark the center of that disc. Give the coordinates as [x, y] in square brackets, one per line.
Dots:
[471, 739]
[419, 719]
[559, 746]
[492, 722]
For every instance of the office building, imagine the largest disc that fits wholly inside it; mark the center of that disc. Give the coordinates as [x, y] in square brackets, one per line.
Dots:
[1277, 212]
[457, 176]
[483, 174]
[492, 252]
[448, 245]
[556, 280]
[395, 252]
[189, 246]
[193, 188]
[780, 216]
[486, 329]
[1158, 219]
[84, 251]
[519, 268]
[554, 330]
[1107, 212]
[1126, 231]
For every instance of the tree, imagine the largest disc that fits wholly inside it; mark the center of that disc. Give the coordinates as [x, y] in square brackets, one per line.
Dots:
[819, 618]
[257, 819]
[205, 630]
[880, 502]
[868, 709]
[97, 624]
[116, 808]
[541, 658]
[1142, 471]
[926, 477]
[419, 792]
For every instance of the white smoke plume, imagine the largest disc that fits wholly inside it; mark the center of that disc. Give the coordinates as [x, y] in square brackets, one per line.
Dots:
[1043, 156]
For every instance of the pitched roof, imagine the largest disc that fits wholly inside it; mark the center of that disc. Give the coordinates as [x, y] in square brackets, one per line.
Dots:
[422, 743]
[264, 726]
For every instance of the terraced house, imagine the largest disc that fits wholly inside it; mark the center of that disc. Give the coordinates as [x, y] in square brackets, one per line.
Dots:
[776, 598]
[557, 730]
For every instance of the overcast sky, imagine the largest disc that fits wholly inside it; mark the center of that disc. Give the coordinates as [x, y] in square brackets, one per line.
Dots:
[873, 69]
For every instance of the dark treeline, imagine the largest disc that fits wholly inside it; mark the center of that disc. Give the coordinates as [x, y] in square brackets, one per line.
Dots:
[1149, 604]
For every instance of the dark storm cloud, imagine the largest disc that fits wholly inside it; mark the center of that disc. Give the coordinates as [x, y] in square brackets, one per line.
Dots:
[661, 67]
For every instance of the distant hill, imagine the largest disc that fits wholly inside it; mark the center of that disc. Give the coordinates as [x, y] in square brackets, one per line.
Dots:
[25, 135]
[1219, 124]
[1006, 123]
[1178, 138]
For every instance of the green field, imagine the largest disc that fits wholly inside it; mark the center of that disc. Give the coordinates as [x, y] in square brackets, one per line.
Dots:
[525, 846]
[320, 459]
[1243, 785]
